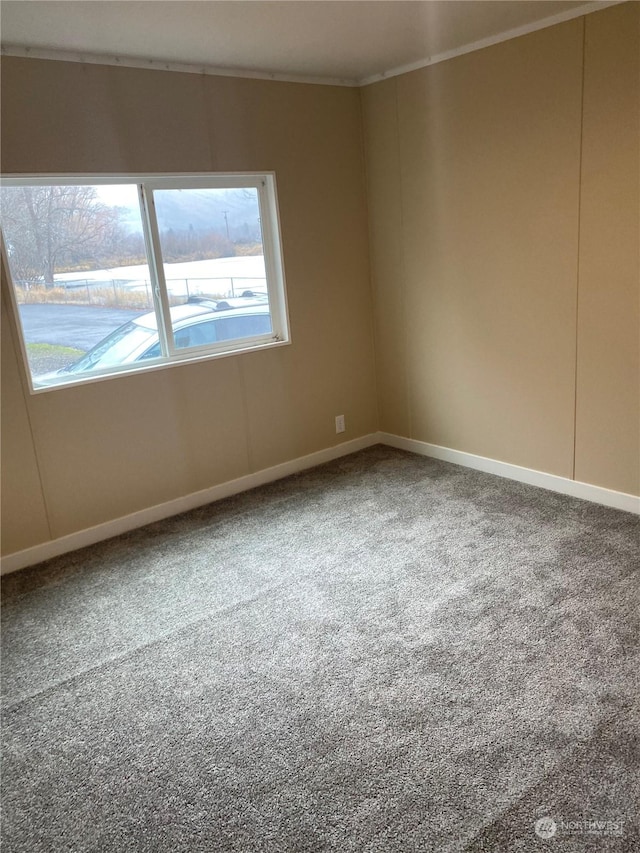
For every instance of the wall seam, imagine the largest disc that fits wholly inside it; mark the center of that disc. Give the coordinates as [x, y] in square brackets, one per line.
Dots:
[245, 413]
[579, 234]
[22, 367]
[36, 455]
[204, 92]
[403, 267]
[365, 175]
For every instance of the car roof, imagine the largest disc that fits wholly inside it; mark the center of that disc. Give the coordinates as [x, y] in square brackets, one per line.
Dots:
[221, 308]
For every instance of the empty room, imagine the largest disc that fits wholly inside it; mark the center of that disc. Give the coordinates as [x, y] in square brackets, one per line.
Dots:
[320, 426]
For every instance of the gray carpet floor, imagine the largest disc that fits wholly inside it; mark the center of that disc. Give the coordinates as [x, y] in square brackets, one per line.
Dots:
[384, 653]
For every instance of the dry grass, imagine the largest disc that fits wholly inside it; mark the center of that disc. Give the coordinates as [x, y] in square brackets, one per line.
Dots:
[244, 249]
[105, 297]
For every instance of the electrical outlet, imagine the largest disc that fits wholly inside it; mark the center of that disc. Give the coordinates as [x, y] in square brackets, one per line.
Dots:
[340, 427]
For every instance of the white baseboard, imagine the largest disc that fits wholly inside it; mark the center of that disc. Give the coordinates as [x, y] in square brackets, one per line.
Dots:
[91, 535]
[563, 485]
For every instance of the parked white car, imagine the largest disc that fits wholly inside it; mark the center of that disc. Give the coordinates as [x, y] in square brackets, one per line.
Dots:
[197, 323]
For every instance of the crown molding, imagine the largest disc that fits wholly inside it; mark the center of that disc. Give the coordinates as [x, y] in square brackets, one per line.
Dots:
[26, 52]
[507, 35]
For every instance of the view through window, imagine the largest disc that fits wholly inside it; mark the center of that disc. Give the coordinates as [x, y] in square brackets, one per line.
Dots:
[117, 275]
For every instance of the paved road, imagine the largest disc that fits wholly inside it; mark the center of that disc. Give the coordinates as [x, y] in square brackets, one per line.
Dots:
[76, 326]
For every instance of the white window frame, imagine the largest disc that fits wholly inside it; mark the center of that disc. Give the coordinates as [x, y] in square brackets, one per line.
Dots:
[263, 182]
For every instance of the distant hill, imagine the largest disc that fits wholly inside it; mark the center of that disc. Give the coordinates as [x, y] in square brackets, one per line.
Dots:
[204, 210]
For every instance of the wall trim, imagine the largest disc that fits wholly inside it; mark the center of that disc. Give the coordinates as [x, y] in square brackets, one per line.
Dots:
[88, 58]
[563, 485]
[98, 533]
[507, 35]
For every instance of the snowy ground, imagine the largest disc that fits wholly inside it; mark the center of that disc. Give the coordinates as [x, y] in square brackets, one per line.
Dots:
[224, 276]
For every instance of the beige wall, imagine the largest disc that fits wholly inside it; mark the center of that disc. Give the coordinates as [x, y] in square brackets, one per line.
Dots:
[608, 379]
[81, 456]
[504, 229]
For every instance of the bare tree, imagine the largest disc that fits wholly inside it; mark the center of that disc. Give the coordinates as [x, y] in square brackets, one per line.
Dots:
[50, 229]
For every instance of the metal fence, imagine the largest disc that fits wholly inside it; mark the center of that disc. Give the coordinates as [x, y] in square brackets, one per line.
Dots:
[125, 292]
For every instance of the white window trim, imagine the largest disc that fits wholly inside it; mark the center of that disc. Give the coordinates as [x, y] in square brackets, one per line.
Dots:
[264, 182]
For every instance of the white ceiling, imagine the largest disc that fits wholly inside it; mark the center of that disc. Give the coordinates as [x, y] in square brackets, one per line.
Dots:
[330, 41]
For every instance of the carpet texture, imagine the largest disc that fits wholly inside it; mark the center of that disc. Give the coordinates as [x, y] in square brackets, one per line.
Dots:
[384, 653]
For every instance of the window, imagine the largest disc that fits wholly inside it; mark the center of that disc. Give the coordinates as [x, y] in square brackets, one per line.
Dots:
[113, 275]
